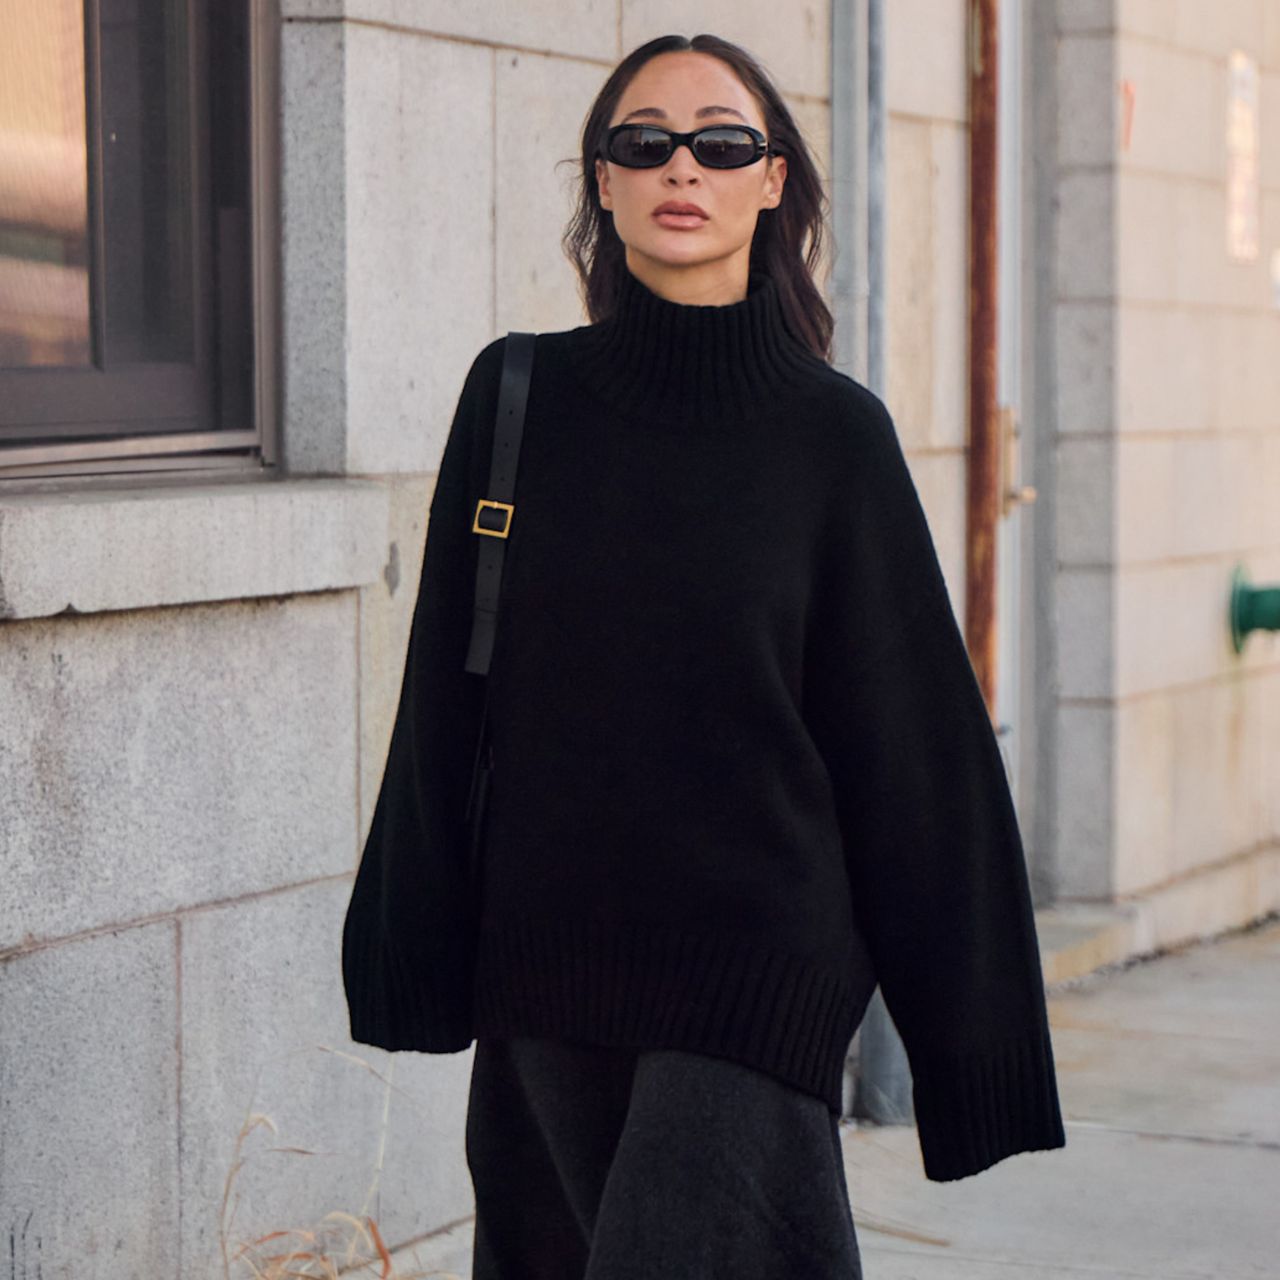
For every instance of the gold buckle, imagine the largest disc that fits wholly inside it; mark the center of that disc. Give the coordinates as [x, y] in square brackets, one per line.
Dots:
[507, 507]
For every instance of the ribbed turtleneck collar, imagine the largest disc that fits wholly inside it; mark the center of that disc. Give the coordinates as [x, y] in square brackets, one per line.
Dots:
[693, 364]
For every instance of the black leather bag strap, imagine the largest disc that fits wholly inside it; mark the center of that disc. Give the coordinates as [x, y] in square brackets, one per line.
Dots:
[495, 514]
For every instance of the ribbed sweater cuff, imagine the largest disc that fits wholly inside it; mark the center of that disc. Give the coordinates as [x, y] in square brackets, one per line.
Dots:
[974, 1111]
[398, 1000]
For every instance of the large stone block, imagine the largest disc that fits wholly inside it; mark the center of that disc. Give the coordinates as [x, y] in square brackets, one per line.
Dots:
[939, 479]
[793, 44]
[1271, 38]
[1219, 494]
[84, 552]
[1085, 500]
[1155, 19]
[1171, 625]
[1266, 689]
[1218, 784]
[1084, 818]
[584, 28]
[1153, 392]
[265, 1031]
[1215, 29]
[1146, 760]
[813, 118]
[388, 155]
[1087, 100]
[1087, 366]
[1086, 15]
[1206, 272]
[1269, 173]
[911, 284]
[1244, 380]
[1142, 241]
[1155, 607]
[386, 613]
[88, 1123]
[314, 239]
[157, 759]
[949, 144]
[1086, 252]
[419, 187]
[1085, 624]
[1179, 108]
[1149, 518]
[926, 45]
[1268, 478]
[542, 101]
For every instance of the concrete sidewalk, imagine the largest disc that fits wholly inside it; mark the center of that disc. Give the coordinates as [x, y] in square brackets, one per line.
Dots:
[1169, 1075]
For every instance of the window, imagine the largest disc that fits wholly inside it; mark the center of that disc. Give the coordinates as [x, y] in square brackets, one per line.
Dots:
[138, 201]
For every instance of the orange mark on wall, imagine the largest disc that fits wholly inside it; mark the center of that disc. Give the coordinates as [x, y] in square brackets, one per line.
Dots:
[1129, 94]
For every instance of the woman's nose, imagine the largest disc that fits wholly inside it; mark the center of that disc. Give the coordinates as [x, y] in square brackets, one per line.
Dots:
[682, 162]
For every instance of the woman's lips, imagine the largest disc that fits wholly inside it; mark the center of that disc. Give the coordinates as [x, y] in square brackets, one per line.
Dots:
[680, 221]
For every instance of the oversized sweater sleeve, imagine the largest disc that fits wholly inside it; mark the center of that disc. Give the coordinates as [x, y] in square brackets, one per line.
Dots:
[407, 943]
[934, 857]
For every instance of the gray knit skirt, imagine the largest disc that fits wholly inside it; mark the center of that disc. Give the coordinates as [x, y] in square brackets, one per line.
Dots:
[596, 1163]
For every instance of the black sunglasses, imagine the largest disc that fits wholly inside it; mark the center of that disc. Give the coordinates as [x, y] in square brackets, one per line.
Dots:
[717, 146]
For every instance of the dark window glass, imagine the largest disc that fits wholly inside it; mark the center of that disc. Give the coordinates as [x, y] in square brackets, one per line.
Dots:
[146, 182]
[127, 300]
[44, 217]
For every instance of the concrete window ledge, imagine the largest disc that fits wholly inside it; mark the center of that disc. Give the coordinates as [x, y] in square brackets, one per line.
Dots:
[86, 551]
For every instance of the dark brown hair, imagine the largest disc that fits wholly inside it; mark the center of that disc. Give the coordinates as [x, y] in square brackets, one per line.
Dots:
[778, 248]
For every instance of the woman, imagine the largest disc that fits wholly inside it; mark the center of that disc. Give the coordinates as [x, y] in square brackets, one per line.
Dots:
[742, 770]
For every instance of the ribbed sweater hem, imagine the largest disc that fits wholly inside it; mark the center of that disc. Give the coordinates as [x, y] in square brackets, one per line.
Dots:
[644, 985]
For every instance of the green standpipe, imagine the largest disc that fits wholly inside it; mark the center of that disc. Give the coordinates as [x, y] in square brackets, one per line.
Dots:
[1252, 608]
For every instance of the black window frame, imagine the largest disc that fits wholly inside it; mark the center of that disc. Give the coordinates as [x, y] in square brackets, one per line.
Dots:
[150, 425]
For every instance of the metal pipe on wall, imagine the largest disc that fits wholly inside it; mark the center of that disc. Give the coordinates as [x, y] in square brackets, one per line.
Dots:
[983, 495]
[877, 197]
[859, 124]
[849, 280]
[884, 1078]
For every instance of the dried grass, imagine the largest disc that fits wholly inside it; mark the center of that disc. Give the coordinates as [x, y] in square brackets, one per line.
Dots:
[342, 1244]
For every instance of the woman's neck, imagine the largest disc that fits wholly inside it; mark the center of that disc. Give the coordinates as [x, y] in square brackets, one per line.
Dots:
[707, 284]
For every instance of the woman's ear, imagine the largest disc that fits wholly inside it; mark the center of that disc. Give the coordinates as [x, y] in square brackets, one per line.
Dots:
[602, 182]
[774, 183]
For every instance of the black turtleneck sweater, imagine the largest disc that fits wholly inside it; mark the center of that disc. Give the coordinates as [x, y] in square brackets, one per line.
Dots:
[743, 770]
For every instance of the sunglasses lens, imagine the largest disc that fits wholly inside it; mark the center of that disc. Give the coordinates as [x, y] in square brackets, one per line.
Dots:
[725, 148]
[639, 147]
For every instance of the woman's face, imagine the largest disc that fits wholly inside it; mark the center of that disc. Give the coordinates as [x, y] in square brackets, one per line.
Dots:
[674, 90]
